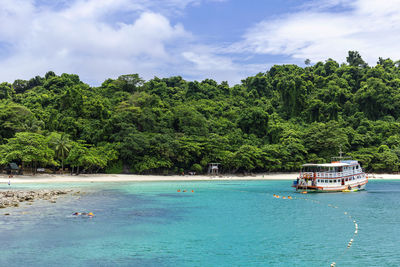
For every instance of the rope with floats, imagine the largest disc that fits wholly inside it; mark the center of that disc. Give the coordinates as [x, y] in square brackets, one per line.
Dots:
[333, 264]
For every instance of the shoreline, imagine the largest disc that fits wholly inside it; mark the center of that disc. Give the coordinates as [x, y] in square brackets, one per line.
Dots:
[67, 178]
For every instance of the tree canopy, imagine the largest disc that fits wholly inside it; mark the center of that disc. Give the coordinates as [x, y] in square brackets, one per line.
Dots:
[273, 121]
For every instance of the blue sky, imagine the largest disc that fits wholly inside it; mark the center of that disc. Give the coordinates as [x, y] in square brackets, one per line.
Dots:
[226, 40]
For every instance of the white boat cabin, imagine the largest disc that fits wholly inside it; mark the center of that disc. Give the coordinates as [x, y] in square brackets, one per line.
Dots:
[335, 176]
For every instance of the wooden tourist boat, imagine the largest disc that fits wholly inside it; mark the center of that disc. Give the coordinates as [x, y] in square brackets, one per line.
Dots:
[337, 176]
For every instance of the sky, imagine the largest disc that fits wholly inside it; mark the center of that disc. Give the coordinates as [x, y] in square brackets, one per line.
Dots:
[224, 40]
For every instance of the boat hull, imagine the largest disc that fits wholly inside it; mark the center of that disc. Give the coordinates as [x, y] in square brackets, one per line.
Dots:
[345, 188]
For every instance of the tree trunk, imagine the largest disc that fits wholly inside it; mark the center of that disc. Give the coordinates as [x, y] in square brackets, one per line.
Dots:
[22, 167]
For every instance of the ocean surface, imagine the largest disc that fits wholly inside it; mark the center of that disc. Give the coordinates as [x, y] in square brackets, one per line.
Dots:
[220, 223]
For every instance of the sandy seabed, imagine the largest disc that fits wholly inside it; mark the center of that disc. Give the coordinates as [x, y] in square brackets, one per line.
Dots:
[66, 178]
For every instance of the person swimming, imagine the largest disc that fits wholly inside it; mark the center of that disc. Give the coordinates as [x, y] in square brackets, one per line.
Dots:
[90, 214]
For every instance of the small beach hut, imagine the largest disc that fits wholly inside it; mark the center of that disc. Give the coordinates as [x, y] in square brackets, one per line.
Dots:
[12, 168]
[213, 168]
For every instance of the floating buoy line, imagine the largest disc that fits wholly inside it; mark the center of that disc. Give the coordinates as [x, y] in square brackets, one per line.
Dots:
[349, 244]
[333, 264]
[184, 191]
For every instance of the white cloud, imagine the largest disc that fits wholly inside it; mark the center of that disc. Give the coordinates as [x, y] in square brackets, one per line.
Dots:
[87, 37]
[77, 39]
[209, 62]
[368, 26]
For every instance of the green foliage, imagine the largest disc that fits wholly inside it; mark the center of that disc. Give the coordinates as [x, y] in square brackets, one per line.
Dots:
[273, 121]
[254, 120]
[354, 59]
[89, 157]
[16, 118]
[197, 168]
[6, 91]
[115, 167]
[61, 144]
[27, 147]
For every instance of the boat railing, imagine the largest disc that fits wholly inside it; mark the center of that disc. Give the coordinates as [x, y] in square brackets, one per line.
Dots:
[329, 174]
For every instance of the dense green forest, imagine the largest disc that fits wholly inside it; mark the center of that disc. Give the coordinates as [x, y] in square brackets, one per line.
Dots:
[273, 121]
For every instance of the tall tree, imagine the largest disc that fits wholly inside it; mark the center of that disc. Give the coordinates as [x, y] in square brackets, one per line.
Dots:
[354, 59]
[61, 144]
[27, 148]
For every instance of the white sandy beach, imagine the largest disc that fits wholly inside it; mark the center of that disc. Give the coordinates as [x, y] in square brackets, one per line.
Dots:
[66, 178]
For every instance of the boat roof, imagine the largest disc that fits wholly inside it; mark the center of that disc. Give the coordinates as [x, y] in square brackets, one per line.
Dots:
[336, 164]
[342, 163]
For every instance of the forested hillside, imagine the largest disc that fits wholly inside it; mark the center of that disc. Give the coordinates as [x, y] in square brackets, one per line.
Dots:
[274, 121]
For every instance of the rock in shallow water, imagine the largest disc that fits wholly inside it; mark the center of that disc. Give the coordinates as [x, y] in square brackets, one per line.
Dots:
[13, 198]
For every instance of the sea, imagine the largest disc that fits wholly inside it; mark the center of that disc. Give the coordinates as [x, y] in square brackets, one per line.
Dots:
[203, 223]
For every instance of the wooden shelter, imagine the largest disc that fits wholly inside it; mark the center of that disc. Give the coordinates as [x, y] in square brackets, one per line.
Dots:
[213, 168]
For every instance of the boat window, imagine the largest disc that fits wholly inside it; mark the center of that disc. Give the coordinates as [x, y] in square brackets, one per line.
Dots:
[334, 181]
[326, 181]
[330, 181]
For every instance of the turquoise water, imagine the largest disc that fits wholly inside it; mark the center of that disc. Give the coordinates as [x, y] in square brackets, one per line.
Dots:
[230, 223]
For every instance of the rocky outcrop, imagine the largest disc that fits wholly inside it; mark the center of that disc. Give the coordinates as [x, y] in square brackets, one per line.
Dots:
[14, 198]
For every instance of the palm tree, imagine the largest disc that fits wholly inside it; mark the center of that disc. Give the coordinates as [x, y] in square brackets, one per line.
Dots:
[61, 144]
